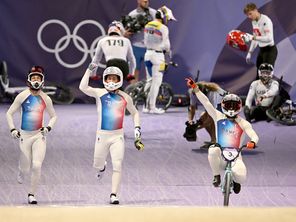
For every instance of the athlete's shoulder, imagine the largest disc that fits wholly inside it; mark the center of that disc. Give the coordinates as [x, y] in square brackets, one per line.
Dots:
[124, 38]
[242, 121]
[45, 97]
[152, 11]
[255, 82]
[265, 17]
[24, 94]
[134, 12]
[125, 95]
[275, 82]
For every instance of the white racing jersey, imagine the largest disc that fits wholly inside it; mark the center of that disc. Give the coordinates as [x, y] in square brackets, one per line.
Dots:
[258, 89]
[32, 110]
[115, 47]
[110, 105]
[263, 29]
[229, 133]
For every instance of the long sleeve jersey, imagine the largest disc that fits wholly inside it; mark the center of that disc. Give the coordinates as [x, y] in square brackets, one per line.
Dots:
[115, 47]
[32, 110]
[263, 29]
[110, 105]
[229, 132]
[258, 89]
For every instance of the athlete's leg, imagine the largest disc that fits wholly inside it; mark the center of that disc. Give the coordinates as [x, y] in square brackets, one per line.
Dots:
[270, 55]
[117, 155]
[139, 56]
[26, 153]
[101, 150]
[38, 154]
[214, 157]
[216, 163]
[158, 65]
[239, 171]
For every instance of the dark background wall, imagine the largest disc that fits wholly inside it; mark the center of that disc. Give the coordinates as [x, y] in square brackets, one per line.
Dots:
[197, 38]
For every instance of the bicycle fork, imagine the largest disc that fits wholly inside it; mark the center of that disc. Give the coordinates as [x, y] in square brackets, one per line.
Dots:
[228, 171]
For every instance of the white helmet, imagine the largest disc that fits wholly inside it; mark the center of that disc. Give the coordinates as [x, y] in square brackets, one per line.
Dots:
[36, 70]
[165, 14]
[117, 28]
[112, 70]
[231, 105]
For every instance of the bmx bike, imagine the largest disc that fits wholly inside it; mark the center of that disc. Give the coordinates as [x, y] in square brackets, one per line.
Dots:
[285, 114]
[229, 154]
[139, 91]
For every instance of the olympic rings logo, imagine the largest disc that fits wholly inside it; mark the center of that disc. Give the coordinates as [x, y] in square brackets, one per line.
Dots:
[64, 41]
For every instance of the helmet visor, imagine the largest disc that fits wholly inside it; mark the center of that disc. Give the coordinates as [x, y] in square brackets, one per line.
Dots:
[232, 105]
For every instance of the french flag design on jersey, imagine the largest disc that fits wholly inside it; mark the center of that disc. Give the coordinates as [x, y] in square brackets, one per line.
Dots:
[113, 107]
[32, 113]
[229, 133]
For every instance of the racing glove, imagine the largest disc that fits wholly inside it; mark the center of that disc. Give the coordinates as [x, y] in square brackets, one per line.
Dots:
[251, 145]
[45, 130]
[15, 133]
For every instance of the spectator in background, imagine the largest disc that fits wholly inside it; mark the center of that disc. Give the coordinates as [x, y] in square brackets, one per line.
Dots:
[262, 36]
[137, 38]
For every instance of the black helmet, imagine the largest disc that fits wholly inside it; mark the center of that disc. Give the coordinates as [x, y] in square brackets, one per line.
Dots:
[265, 72]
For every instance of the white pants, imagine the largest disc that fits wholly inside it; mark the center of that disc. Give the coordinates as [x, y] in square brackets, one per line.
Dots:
[112, 142]
[155, 65]
[33, 149]
[218, 164]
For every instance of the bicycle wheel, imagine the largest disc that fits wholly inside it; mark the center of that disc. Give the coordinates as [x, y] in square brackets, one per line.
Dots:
[59, 94]
[136, 92]
[165, 96]
[288, 119]
[227, 186]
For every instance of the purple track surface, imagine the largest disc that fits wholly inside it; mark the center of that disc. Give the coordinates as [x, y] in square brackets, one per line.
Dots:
[170, 171]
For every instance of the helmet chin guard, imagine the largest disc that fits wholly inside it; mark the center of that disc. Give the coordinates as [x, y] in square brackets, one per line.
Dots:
[112, 70]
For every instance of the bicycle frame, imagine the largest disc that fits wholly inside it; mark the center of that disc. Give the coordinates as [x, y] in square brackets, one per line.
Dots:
[230, 155]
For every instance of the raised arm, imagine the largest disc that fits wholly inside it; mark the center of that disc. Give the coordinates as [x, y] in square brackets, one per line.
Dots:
[84, 87]
[202, 98]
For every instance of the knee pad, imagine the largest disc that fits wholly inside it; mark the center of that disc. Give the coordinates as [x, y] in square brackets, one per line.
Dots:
[117, 165]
